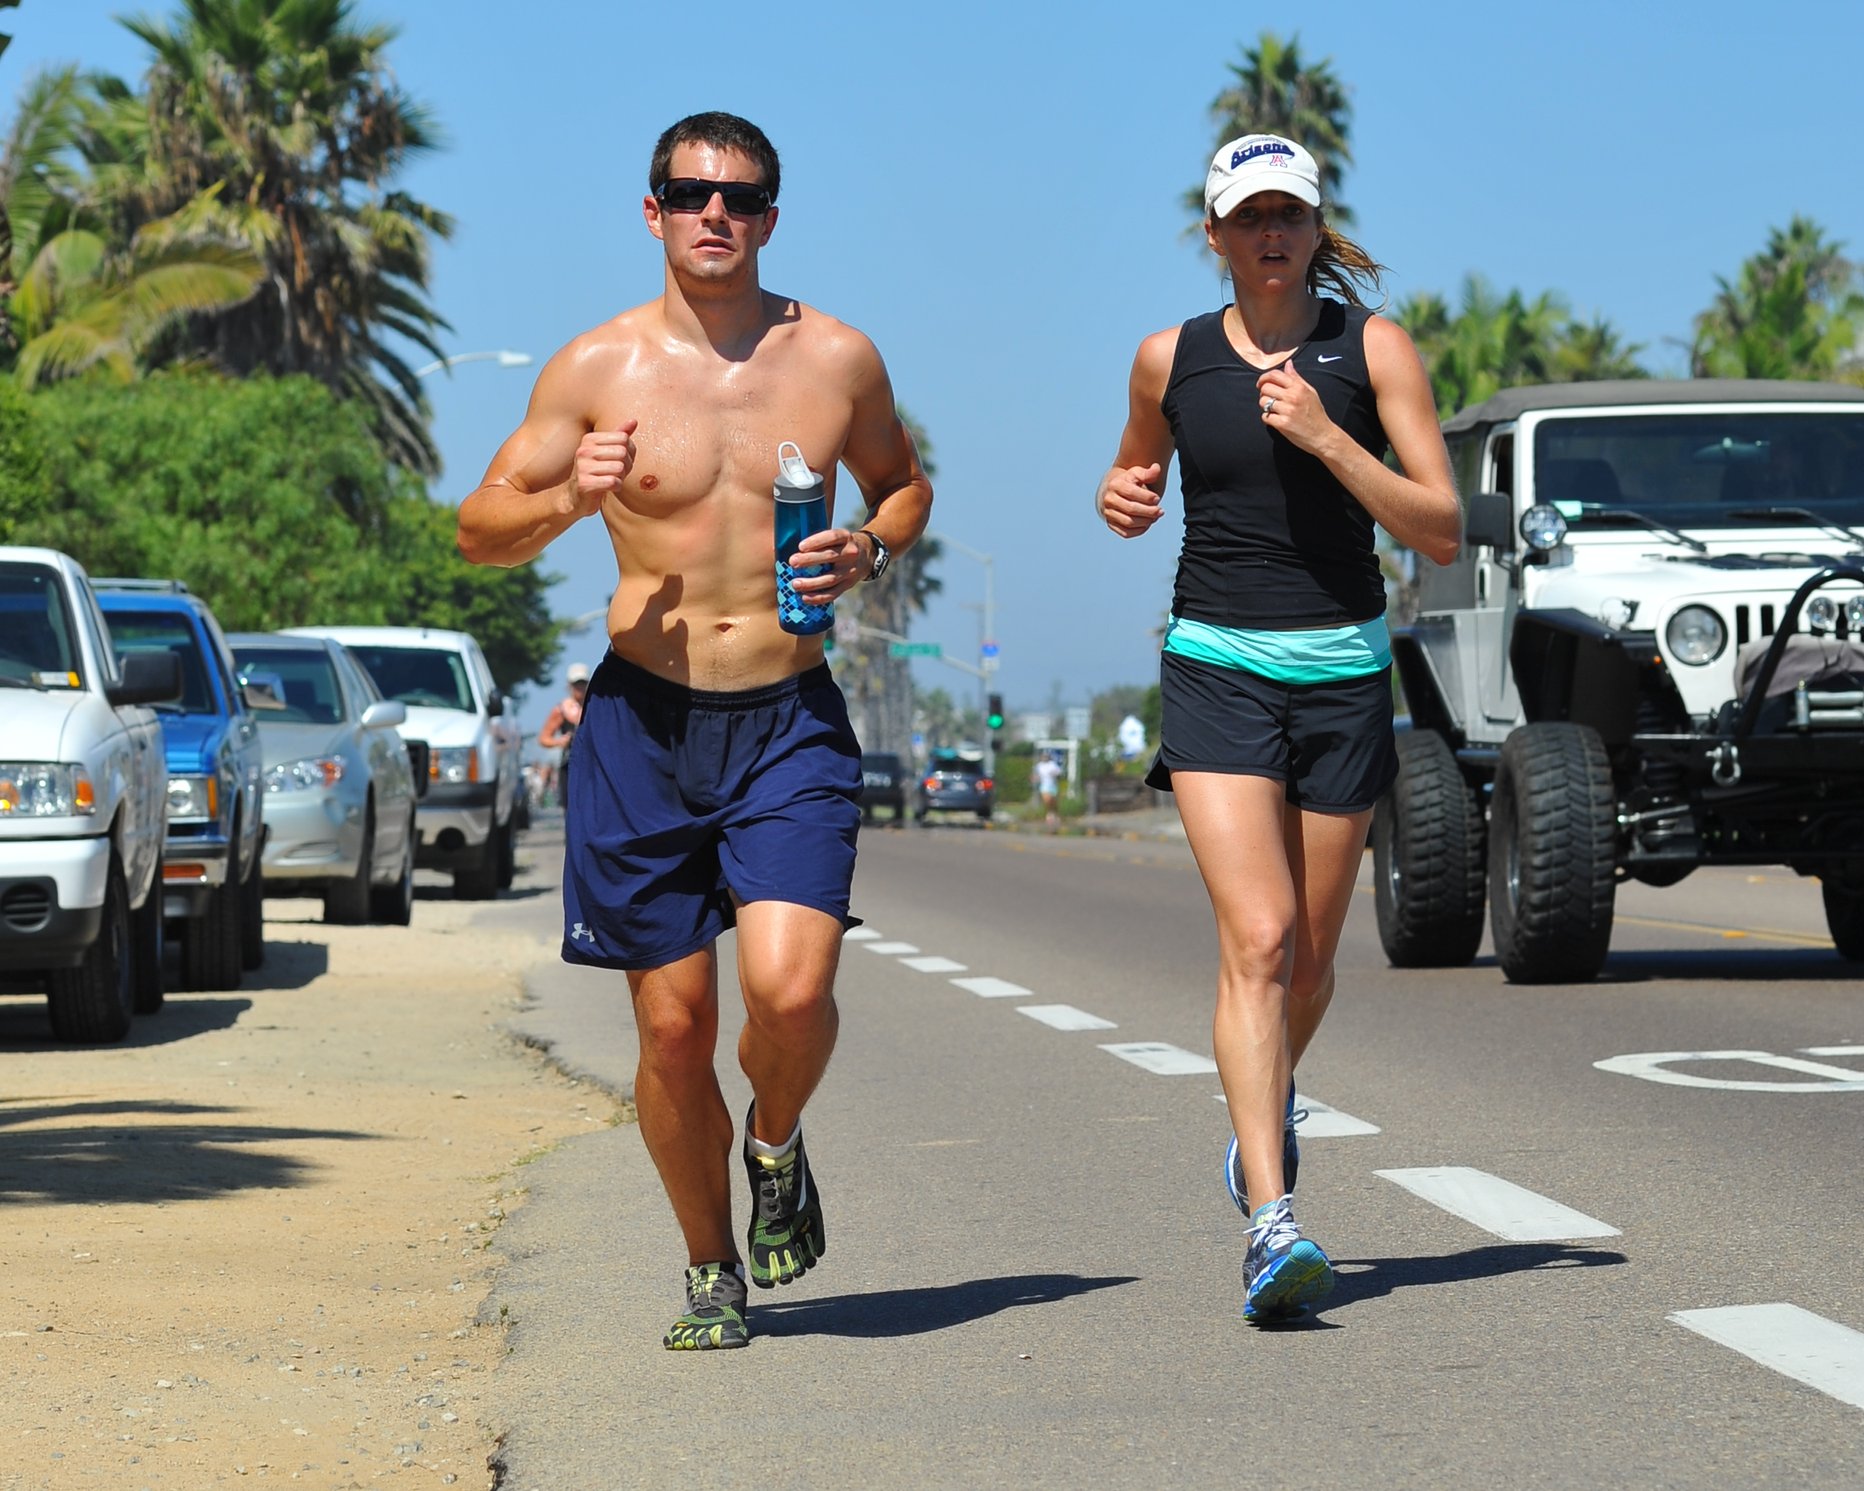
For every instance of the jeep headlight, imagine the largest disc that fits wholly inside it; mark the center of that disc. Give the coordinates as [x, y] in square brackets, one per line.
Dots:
[453, 765]
[45, 789]
[1822, 613]
[1543, 527]
[1695, 636]
[192, 797]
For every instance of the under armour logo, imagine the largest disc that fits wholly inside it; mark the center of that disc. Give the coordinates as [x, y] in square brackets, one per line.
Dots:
[581, 931]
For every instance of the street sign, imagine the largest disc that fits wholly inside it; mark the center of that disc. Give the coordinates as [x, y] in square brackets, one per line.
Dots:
[989, 649]
[914, 649]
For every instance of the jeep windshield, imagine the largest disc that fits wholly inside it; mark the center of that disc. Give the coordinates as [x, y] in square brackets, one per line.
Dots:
[418, 675]
[38, 648]
[1755, 468]
[166, 631]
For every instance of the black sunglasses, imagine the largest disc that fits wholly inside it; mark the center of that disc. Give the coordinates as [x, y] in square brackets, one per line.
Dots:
[690, 194]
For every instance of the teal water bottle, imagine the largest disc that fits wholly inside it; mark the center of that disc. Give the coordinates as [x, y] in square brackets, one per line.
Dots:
[802, 509]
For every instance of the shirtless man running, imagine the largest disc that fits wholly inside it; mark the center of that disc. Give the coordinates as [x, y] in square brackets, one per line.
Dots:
[716, 773]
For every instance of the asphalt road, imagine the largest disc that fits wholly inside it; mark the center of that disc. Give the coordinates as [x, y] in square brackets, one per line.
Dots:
[1033, 1275]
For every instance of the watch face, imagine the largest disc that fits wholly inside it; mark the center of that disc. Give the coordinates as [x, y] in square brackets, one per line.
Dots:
[882, 556]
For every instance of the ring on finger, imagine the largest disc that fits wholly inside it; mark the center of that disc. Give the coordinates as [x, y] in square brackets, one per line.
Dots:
[1268, 405]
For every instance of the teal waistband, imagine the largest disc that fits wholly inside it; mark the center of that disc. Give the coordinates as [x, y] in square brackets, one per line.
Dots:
[1327, 654]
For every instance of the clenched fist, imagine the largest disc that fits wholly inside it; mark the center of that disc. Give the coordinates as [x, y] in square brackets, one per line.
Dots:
[603, 460]
[1127, 499]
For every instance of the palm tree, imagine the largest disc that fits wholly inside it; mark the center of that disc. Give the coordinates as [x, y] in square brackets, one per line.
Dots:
[290, 106]
[75, 294]
[1275, 92]
[1792, 312]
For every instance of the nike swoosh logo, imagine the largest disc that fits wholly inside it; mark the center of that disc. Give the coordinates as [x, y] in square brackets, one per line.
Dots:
[1335, 358]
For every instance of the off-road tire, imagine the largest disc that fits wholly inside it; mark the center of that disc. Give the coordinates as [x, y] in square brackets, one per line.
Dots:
[1844, 915]
[92, 1004]
[508, 852]
[211, 955]
[1552, 837]
[147, 939]
[1428, 859]
[346, 901]
[393, 904]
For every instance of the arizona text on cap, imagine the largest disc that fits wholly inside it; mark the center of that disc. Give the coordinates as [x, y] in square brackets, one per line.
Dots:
[1259, 163]
[579, 673]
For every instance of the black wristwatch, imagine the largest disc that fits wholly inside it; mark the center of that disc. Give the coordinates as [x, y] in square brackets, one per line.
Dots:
[883, 556]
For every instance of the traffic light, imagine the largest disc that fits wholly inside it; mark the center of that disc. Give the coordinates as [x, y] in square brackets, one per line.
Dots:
[994, 716]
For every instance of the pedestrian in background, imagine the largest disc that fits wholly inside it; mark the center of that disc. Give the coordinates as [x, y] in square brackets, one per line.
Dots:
[1275, 681]
[1047, 775]
[560, 729]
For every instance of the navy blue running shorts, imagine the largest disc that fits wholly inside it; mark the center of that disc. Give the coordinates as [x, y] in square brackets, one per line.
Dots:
[681, 798]
[1329, 744]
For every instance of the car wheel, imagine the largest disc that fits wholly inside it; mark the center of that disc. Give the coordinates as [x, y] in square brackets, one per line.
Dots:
[1844, 915]
[1552, 869]
[92, 1003]
[210, 943]
[147, 941]
[1427, 859]
[393, 905]
[252, 918]
[346, 901]
[507, 855]
[479, 881]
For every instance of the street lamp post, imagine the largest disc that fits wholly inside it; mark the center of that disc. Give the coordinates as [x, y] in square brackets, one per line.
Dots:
[986, 644]
[504, 358]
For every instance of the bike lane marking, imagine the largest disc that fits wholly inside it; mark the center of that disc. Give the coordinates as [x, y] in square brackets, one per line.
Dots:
[1808, 1348]
[1498, 1206]
[1654, 1066]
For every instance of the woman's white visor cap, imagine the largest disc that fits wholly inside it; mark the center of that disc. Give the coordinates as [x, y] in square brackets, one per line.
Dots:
[1259, 163]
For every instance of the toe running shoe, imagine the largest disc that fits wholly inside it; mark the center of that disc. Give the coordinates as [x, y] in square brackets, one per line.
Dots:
[1286, 1272]
[786, 1236]
[714, 1318]
[1290, 1157]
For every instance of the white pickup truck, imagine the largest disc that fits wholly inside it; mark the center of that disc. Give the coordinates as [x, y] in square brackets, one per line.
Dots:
[83, 802]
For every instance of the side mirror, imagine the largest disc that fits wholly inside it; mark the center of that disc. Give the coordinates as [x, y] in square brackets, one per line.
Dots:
[148, 678]
[1490, 521]
[494, 704]
[384, 714]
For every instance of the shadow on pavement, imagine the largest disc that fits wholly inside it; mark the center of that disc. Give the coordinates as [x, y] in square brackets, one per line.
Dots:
[142, 1158]
[914, 1312]
[1742, 965]
[25, 1025]
[1359, 1279]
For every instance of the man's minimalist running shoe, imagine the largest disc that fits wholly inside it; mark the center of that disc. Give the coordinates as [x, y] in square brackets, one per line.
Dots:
[1286, 1272]
[786, 1236]
[714, 1318]
[1290, 1158]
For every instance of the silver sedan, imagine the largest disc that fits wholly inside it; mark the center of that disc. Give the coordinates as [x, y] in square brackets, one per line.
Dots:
[339, 788]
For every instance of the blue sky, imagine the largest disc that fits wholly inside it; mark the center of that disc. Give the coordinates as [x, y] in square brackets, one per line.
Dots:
[992, 193]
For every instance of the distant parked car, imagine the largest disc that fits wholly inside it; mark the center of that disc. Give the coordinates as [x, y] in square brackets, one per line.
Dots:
[340, 790]
[468, 815]
[955, 784]
[211, 890]
[883, 784]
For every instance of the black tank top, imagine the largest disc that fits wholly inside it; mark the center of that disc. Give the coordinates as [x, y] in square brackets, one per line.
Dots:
[1272, 540]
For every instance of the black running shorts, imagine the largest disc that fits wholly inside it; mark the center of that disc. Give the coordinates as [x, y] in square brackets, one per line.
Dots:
[1329, 744]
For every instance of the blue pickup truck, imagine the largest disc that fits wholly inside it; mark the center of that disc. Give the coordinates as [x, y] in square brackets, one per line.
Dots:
[212, 890]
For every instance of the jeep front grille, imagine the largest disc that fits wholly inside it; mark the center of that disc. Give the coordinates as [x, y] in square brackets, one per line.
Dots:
[1767, 617]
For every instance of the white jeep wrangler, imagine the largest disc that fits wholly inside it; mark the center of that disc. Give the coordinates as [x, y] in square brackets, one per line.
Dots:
[1649, 656]
[83, 801]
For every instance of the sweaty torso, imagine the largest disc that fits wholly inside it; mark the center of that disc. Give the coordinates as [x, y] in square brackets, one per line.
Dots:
[693, 526]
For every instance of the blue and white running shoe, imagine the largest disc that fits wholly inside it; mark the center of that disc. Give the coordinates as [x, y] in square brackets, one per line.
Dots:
[1286, 1272]
[1290, 1158]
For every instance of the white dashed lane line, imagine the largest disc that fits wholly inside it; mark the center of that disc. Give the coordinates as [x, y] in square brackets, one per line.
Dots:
[1316, 1120]
[859, 934]
[1808, 1348]
[1064, 1017]
[1498, 1206]
[892, 949]
[993, 988]
[1165, 1060]
[933, 965]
